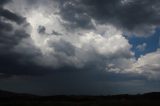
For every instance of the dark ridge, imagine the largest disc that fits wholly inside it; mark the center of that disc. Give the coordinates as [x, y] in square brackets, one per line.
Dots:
[19, 99]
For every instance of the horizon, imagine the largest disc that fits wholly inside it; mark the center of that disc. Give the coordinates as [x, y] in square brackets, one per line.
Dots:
[108, 95]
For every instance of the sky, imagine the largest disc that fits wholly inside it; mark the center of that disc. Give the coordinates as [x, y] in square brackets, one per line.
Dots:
[80, 47]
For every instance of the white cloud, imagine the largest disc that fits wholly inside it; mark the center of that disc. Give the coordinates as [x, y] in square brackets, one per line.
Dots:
[147, 65]
[141, 47]
[84, 47]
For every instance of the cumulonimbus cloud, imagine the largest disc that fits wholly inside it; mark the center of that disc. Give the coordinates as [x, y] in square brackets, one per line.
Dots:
[79, 33]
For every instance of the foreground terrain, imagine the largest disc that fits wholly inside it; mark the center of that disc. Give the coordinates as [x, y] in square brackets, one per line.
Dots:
[14, 99]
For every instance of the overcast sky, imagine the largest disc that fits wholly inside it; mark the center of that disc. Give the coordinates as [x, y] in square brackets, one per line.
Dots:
[80, 47]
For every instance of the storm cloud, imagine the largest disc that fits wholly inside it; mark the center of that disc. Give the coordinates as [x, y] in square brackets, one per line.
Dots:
[76, 33]
[138, 17]
[87, 40]
[13, 31]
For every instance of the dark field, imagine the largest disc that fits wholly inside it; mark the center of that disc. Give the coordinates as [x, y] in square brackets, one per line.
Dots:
[13, 99]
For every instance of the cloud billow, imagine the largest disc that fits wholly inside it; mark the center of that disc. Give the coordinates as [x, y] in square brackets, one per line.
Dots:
[139, 17]
[76, 34]
[13, 31]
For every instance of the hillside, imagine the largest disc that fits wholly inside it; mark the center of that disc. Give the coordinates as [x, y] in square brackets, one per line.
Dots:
[17, 99]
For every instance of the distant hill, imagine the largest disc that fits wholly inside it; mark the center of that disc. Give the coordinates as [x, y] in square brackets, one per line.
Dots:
[145, 95]
[19, 99]
[12, 96]
[150, 95]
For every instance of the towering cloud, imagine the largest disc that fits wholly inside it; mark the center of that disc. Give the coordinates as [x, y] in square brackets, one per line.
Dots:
[55, 34]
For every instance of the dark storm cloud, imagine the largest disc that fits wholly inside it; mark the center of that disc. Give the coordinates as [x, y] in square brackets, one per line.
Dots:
[11, 16]
[133, 15]
[9, 35]
[2, 2]
[64, 47]
[41, 29]
[12, 63]
[56, 33]
[71, 69]
[74, 12]
[5, 26]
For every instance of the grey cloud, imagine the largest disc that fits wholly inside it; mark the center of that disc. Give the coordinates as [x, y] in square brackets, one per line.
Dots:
[105, 46]
[13, 30]
[18, 62]
[9, 36]
[11, 16]
[141, 47]
[63, 46]
[74, 12]
[2, 2]
[41, 29]
[5, 26]
[82, 61]
[134, 16]
[69, 49]
[56, 33]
